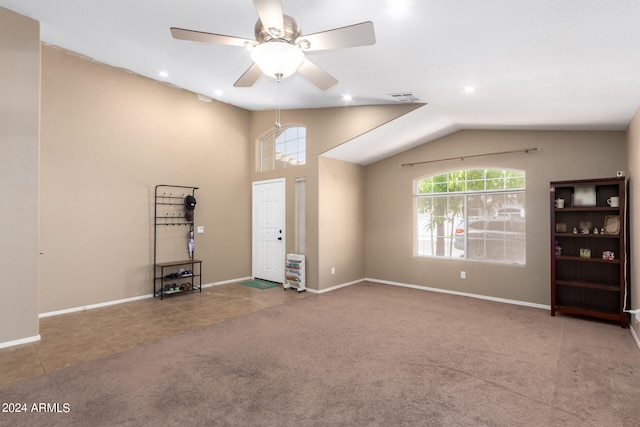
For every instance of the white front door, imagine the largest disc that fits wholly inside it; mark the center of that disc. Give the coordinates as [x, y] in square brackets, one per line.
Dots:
[268, 230]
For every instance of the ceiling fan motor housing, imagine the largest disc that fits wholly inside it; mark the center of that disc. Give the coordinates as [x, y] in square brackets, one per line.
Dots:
[291, 32]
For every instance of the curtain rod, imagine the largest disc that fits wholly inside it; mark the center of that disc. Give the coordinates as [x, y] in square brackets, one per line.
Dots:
[499, 153]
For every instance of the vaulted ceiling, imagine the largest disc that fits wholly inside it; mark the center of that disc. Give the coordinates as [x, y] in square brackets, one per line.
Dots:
[499, 64]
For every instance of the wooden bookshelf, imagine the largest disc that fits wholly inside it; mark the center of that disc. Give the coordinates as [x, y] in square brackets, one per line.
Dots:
[588, 248]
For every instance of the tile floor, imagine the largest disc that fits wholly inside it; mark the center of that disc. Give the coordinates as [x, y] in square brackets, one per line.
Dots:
[73, 338]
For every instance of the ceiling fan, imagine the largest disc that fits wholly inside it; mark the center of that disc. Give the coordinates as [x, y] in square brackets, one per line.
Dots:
[279, 46]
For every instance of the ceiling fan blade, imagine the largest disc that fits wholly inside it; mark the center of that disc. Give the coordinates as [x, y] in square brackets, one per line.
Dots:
[317, 75]
[200, 36]
[354, 35]
[271, 16]
[249, 77]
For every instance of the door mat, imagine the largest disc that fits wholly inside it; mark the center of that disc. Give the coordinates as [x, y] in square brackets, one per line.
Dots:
[261, 284]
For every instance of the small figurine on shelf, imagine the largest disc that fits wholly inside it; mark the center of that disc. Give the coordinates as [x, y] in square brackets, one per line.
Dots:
[575, 230]
[558, 249]
[595, 230]
[608, 255]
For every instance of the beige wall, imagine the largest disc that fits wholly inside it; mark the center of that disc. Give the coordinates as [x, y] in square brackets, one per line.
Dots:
[341, 221]
[19, 151]
[326, 128]
[108, 137]
[389, 206]
[633, 145]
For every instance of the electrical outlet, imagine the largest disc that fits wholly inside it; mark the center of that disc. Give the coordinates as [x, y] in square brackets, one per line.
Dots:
[200, 229]
[463, 275]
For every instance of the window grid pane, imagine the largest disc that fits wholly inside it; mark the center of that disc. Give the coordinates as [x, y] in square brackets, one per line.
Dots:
[474, 217]
[284, 148]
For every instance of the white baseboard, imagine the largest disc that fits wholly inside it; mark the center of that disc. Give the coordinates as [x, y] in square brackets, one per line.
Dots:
[226, 282]
[636, 338]
[333, 288]
[20, 341]
[634, 335]
[430, 289]
[314, 291]
[464, 294]
[120, 301]
[92, 306]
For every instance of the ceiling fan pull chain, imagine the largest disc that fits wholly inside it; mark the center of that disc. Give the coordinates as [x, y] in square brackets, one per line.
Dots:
[278, 78]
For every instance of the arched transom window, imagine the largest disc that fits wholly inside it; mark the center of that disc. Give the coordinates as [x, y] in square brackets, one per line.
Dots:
[283, 148]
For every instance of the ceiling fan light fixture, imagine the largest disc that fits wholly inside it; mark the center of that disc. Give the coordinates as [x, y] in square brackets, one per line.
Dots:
[277, 58]
[279, 47]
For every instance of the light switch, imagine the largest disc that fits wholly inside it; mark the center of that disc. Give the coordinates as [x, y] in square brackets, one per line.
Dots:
[200, 229]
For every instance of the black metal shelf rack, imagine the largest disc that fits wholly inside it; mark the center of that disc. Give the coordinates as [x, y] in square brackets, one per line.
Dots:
[168, 203]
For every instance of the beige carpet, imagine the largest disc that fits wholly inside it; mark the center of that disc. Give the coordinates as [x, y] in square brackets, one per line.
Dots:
[368, 354]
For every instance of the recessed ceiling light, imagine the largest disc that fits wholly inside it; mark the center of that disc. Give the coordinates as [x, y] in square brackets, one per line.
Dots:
[163, 74]
[218, 93]
[347, 98]
[469, 89]
[398, 7]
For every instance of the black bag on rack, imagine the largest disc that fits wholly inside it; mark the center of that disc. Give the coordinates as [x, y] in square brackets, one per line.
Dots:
[189, 206]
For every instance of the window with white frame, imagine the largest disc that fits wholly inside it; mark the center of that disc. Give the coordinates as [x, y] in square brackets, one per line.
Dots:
[474, 214]
[284, 147]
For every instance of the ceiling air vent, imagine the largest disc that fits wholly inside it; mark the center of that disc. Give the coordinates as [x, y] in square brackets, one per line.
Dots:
[404, 97]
